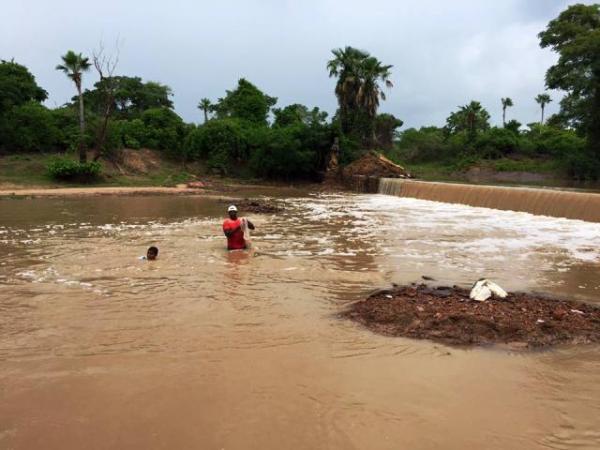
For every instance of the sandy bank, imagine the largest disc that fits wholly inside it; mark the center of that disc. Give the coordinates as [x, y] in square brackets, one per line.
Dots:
[97, 191]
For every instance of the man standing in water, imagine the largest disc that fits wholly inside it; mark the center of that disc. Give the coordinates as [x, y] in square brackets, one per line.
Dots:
[234, 229]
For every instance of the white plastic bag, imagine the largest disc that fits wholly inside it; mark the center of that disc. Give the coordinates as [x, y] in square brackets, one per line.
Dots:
[483, 289]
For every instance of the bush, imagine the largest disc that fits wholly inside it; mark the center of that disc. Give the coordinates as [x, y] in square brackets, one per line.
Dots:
[496, 142]
[285, 154]
[163, 130]
[30, 127]
[66, 169]
[133, 132]
[425, 144]
[224, 140]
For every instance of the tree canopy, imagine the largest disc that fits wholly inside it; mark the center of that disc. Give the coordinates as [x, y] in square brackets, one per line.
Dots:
[18, 86]
[245, 102]
[575, 36]
[470, 118]
[360, 77]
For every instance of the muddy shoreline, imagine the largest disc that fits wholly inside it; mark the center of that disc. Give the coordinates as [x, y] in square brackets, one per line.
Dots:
[448, 316]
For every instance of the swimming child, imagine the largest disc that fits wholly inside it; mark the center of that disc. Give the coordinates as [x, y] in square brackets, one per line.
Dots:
[151, 254]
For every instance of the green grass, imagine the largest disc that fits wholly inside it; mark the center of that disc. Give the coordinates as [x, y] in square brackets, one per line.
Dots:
[525, 165]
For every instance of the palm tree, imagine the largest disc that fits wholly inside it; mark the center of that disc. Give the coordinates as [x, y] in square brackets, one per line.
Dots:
[205, 105]
[358, 88]
[543, 100]
[506, 103]
[372, 71]
[73, 66]
[346, 66]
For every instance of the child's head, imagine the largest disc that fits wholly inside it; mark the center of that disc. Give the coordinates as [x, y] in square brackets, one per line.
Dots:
[152, 253]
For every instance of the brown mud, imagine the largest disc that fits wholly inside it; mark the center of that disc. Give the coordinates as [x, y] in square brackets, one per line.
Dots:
[447, 315]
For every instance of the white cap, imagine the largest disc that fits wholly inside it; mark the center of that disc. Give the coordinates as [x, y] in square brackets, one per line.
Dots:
[232, 208]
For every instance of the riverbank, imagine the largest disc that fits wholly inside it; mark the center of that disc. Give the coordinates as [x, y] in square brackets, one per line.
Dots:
[138, 172]
[503, 171]
[447, 315]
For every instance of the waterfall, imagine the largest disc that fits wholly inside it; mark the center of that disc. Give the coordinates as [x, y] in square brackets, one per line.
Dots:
[546, 202]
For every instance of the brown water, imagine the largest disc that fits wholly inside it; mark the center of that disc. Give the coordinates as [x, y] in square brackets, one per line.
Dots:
[547, 202]
[208, 349]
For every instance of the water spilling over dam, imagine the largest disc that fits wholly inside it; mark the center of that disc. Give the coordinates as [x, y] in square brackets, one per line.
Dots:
[545, 202]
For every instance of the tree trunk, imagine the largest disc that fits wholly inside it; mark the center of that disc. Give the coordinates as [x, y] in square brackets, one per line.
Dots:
[102, 134]
[82, 151]
[205, 116]
[542, 122]
[504, 117]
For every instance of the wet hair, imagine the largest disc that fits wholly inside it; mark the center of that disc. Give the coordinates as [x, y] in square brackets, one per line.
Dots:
[153, 251]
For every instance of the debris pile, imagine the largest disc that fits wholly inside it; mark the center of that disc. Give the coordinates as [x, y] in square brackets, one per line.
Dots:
[374, 164]
[267, 206]
[448, 315]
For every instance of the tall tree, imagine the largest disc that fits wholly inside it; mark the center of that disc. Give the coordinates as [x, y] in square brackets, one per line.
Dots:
[105, 66]
[358, 90]
[506, 103]
[575, 36]
[345, 65]
[17, 86]
[74, 64]
[245, 102]
[205, 105]
[543, 100]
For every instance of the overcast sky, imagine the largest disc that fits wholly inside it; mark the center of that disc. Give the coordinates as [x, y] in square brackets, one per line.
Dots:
[445, 53]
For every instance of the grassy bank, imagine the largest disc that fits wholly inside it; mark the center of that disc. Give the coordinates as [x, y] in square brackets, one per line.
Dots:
[503, 170]
[30, 170]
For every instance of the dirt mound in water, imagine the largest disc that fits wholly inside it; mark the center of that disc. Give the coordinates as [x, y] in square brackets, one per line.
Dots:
[374, 164]
[255, 206]
[447, 315]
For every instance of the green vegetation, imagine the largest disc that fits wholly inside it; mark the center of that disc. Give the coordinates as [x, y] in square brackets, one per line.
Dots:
[246, 134]
[68, 170]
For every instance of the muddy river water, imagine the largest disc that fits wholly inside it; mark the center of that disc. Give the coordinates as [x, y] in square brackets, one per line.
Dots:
[204, 349]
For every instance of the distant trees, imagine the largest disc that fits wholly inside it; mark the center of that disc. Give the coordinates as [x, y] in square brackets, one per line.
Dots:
[17, 86]
[542, 100]
[205, 106]
[506, 103]
[74, 65]
[360, 78]
[470, 118]
[245, 102]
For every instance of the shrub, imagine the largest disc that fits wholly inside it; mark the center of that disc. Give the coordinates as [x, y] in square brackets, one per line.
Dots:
[285, 154]
[67, 169]
[163, 130]
[223, 137]
[496, 142]
[30, 127]
[425, 144]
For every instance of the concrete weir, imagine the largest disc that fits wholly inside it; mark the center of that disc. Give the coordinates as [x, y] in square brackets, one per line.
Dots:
[546, 202]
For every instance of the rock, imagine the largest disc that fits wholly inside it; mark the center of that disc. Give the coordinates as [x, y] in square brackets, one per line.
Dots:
[197, 185]
[559, 313]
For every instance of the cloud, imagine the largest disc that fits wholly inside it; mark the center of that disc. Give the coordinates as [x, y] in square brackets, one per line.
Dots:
[444, 53]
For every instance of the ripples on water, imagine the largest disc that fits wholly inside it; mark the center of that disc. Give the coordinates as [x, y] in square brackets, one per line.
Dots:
[74, 298]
